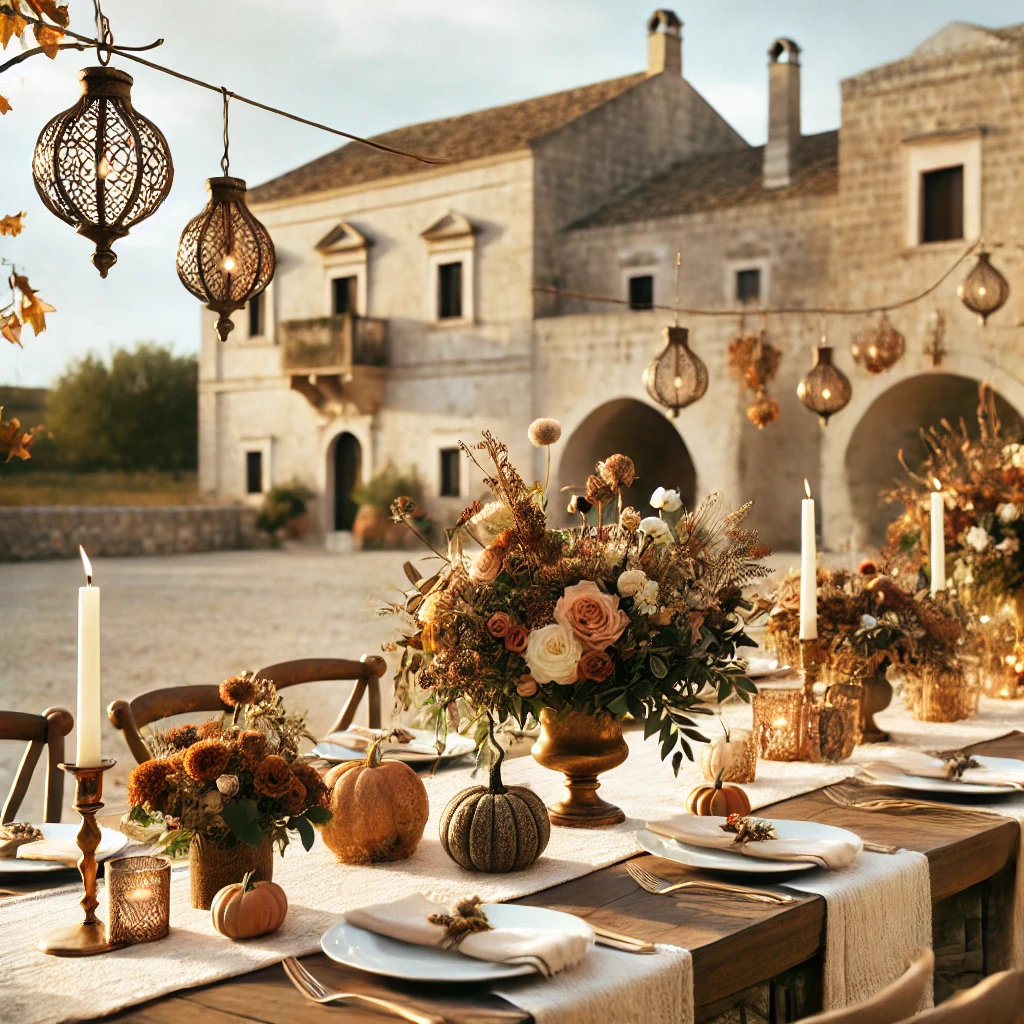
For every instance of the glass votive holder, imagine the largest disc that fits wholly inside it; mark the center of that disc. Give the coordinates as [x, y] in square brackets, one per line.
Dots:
[139, 899]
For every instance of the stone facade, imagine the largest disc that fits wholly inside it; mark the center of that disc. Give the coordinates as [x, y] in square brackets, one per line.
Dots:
[582, 191]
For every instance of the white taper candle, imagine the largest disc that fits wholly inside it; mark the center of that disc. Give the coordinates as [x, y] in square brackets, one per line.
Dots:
[808, 569]
[938, 540]
[89, 701]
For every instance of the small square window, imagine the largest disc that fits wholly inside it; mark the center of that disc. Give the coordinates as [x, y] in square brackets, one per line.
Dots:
[343, 295]
[641, 292]
[257, 325]
[254, 472]
[449, 291]
[942, 204]
[748, 285]
[450, 469]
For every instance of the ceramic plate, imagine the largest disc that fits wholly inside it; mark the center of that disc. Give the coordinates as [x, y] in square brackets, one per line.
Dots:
[726, 860]
[111, 844]
[766, 668]
[420, 750]
[378, 954]
[890, 775]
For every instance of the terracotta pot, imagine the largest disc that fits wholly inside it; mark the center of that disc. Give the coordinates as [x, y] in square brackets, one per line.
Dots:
[581, 747]
[210, 868]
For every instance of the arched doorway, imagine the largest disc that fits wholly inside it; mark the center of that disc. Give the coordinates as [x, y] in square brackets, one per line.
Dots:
[346, 458]
[629, 427]
[893, 422]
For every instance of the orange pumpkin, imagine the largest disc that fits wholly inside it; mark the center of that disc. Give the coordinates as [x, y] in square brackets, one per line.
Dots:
[247, 909]
[379, 809]
[718, 800]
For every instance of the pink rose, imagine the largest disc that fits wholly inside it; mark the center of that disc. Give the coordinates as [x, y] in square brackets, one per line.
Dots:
[487, 565]
[593, 616]
[516, 638]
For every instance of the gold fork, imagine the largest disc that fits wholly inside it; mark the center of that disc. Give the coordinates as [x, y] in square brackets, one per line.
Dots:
[313, 989]
[662, 887]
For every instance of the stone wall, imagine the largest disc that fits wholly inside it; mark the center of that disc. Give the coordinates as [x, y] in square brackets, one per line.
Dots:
[56, 531]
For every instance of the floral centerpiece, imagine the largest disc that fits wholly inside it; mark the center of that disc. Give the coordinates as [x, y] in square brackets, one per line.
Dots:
[580, 625]
[230, 789]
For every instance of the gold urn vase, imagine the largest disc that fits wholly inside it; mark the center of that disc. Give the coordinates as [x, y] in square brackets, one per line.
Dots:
[581, 747]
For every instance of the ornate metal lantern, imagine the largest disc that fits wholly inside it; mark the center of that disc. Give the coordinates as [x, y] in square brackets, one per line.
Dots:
[225, 255]
[676, 377]
[826, 389]
[101, 166]
[984, 289]
[879, 347]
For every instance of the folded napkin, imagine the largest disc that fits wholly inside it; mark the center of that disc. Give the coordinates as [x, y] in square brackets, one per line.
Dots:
[408, 920]
[60, 851]
[695, 830]
[361, 738]
[917, 762]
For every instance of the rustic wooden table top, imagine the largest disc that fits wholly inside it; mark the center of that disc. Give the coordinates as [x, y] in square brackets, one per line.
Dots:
[735, 944]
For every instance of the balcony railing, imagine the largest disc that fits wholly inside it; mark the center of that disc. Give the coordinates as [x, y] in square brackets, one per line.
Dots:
[333, 344]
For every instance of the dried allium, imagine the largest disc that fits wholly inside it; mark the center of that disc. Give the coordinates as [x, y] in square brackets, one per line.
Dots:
[544, 432]
[617, 471]
[630, 520]
[206, 760]
[272, 777]
[402, 508]
[598, 491]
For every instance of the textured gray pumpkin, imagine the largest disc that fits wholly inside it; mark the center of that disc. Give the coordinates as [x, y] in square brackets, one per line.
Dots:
[495, 828]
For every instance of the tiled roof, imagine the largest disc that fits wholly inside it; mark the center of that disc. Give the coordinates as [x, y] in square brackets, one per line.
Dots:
[456, 139]
[721, 180]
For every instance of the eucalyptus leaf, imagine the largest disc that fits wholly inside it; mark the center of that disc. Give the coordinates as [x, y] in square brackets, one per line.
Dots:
[240, 817]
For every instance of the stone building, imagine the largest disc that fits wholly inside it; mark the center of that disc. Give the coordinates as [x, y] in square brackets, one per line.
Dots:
[404, 313]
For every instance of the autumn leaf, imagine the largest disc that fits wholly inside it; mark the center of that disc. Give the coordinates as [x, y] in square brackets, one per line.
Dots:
[4, 105]
[12, 224]
[11, 25]
[48, 39]
[48, 9]
[11, 330]
[15, 441]
[32, 307]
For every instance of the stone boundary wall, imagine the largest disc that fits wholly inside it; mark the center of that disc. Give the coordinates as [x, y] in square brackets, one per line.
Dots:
[55, 531]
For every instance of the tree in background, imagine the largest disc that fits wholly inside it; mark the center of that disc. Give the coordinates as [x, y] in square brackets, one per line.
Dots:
[140, 412]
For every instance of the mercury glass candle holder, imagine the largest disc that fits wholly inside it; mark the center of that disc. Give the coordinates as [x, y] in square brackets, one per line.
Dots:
[949, 696]
[138, 898]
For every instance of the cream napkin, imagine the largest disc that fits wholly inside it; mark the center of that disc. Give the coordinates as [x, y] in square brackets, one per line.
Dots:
[917, 762]
[695, 830]
[407, 920]
[61, 851]
[361, 738]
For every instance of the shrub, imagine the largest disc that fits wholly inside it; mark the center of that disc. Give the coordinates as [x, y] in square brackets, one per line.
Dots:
[383, 487]
[282, 504]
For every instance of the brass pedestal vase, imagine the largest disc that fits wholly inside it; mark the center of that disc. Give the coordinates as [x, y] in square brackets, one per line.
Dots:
[581, 747]
[876, 696]
[211, 868]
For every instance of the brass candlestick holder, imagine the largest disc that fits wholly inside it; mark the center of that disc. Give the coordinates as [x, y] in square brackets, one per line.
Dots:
[89, 937]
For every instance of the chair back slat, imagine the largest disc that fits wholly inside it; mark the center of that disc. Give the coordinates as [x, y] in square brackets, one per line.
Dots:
[38, 731]
[998, 999]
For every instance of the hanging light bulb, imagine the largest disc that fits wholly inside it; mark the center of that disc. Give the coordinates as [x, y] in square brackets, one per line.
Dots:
[101, 166]
[676, 377]
[826, 389]
[879, 347]
[984, 289]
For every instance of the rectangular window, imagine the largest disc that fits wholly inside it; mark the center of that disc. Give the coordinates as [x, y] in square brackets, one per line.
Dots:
[641, 292]
[257, 327]
[254, 472]
[450, 467]
[343, 295]
[449, 291]
[748, 285]
[942, 204]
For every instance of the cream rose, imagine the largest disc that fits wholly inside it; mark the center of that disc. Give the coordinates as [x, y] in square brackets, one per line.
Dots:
[487, 565]
[552, 653]
[631, 582]
[647, 599]
[669, 501]
[657, 529]
[592, 615]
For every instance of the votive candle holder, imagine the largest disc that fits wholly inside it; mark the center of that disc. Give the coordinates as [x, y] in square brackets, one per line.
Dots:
[139, 899]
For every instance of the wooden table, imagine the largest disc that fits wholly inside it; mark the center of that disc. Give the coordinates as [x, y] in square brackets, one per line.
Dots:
[736, 946]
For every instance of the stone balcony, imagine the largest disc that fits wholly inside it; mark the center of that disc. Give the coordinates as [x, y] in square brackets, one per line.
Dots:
[336, 362]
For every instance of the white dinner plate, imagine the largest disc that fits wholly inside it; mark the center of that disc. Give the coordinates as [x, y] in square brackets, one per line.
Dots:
[378, 954]
[420, 750]
[890, 775]
[766, 668]
[726, 860]
[111, 844]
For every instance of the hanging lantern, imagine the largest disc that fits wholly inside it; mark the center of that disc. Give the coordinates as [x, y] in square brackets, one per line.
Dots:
[826, 389]
[676, 377]
[101, 166]
[984, 289]
[879, 347]
[225, 255]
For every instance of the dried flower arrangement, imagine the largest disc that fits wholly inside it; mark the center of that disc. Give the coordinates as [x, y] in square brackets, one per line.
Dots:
[754, 361]
[231, 781]
[636, 615]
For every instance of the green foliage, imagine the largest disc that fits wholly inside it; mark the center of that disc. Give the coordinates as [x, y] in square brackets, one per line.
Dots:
[282, 504]
[382, 488]
[138, 413]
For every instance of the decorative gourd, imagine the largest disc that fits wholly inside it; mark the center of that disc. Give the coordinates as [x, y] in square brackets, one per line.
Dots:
[718, 800]
[495, 828]
[730, 756]
[247, 908]
[379, 809]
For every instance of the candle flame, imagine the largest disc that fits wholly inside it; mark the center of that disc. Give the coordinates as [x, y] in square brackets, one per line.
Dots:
[937, 483]
[103, 168]
[807, 487]
[87, 564]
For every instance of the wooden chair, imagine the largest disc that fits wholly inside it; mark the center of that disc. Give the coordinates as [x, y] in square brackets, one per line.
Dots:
[45, 730]
[896, 1002]
[996, 1000]
[134, 715]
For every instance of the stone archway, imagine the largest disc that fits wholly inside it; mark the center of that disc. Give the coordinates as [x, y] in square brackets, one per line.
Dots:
[893, 422]
[344, 472]
[631, 428]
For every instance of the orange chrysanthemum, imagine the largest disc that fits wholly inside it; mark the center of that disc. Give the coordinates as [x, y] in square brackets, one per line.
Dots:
[206, 760]
[211, 730]
[182, 736]
[252, 748]
[240, 689]
[149, 782]
[272, 777]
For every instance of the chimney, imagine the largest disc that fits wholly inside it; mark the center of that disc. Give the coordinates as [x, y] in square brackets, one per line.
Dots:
[783, 113]
[664, 43]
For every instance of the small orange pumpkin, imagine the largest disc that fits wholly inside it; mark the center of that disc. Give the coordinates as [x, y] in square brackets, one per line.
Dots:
[247, 908]
[379, 809]
[718, 800]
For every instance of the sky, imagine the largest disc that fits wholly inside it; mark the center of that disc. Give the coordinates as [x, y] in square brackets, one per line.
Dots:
[367, 66]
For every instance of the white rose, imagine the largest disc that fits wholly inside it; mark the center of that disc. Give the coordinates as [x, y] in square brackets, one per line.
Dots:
[977, 538]
[1009, 546]
[631, 582]
[647, 599]
[552, 653]
[657, 529]
[667, 500]
[227, 785]
[1008, 512]
[212, 802]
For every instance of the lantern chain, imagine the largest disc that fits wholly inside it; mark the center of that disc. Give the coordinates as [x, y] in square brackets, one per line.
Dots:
[225, 161]
[104, 35]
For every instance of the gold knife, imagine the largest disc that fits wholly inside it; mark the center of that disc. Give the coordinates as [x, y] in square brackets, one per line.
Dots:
[616, 940]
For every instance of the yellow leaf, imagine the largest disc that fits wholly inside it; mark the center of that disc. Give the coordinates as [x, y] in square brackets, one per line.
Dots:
[32, 312]
[15, 441]
[11, 224]
[48, 39]
[11, 330]
[4, 105]
[50, 10]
